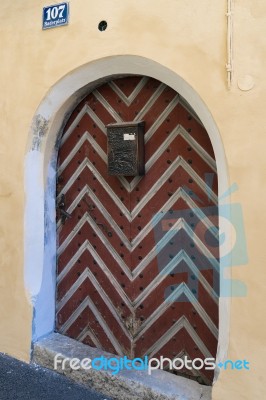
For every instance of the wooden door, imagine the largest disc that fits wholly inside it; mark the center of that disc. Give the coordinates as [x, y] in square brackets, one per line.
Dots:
[138, 257]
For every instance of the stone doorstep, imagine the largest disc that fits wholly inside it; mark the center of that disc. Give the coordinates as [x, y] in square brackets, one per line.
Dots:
[126, 385]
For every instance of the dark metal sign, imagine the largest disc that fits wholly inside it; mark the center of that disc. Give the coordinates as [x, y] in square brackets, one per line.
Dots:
[125, 143]
[55, 15]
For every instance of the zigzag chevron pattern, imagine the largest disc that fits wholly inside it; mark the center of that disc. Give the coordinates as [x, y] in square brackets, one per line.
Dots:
[138, 260]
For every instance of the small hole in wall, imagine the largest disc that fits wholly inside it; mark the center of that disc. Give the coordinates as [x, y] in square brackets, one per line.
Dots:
[102, 26]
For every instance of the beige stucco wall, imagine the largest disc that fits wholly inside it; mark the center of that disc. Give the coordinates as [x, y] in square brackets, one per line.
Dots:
[188, 37]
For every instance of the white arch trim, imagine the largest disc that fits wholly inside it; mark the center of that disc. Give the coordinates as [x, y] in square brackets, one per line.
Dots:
[40, 176]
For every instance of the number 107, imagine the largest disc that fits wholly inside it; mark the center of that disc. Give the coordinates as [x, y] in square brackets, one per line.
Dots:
[55, 12]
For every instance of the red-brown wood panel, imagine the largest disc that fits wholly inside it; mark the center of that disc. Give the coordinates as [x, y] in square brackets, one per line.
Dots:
[138, 257]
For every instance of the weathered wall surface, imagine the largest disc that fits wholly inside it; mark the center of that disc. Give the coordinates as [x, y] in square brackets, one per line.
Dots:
[189, 38]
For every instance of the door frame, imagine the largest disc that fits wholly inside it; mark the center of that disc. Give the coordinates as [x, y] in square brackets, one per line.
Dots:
[40, 180]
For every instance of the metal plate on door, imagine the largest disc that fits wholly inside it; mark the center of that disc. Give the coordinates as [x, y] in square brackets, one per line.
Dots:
[125, 143]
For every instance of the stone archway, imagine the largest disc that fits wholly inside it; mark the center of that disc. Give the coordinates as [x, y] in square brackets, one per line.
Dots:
[40, 249]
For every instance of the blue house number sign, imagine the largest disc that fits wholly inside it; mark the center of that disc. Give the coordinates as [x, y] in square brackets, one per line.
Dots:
[56, 15]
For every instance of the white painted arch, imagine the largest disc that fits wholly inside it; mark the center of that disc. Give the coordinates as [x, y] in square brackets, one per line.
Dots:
[40, 177]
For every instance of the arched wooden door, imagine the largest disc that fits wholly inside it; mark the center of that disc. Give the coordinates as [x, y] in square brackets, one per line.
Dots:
[137, 256]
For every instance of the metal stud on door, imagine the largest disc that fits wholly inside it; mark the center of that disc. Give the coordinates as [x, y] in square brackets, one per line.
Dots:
[138, 261]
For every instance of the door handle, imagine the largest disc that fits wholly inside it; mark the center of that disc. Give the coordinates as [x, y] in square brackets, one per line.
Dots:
[61, 205]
